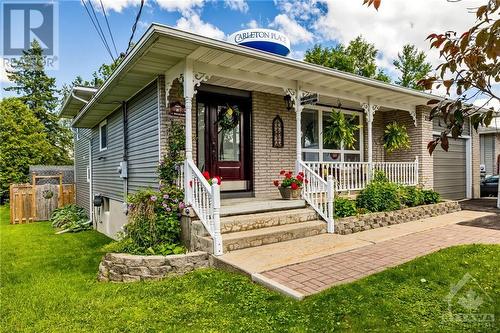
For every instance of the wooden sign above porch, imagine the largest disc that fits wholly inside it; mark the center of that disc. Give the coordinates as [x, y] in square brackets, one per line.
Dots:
[177, 109]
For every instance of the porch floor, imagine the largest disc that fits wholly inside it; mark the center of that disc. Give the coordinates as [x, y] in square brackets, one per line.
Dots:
[243, 206]
[274, 265]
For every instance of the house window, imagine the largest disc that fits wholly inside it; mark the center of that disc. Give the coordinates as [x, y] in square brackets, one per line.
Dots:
[77, 134]
[103, 135]
[314, 121]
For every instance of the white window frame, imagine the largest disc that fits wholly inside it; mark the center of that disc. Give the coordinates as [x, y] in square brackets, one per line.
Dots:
[103, 123]
[320, 150]
[77, 134]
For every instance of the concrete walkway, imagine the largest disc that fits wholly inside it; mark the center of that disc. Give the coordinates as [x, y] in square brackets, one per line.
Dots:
[309, 265]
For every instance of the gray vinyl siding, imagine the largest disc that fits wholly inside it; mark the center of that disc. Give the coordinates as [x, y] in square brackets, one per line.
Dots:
[487, 156]
[105, 177]
[143, 142]
[81, 164]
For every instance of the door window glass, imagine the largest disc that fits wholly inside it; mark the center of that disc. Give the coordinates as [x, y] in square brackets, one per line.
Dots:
[229, 142]
[310, 129]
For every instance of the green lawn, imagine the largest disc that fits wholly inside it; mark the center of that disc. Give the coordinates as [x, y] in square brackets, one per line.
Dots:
[48, 284]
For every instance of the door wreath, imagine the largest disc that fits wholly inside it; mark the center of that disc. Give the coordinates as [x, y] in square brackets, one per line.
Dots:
[228, 117]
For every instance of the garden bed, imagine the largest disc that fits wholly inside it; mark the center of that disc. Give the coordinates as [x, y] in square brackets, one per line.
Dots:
[121, 267]
[352, 224]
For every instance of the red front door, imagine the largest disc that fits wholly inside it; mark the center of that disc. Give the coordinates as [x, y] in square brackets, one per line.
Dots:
[226, 148]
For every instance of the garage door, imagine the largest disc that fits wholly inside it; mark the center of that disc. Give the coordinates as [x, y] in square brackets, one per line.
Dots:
[450, 170]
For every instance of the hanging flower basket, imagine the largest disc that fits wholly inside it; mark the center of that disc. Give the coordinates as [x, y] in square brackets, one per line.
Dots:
[228, 118]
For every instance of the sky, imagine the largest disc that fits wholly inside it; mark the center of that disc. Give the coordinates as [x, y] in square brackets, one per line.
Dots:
[305, 22]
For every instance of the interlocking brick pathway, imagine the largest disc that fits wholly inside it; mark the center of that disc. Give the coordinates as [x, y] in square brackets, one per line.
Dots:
[312, 276]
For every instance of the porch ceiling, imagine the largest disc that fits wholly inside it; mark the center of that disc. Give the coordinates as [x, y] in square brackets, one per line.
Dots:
[162, 49]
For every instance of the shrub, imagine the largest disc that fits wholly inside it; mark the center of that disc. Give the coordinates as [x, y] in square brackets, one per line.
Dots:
[412, 196]
[153, 226]
[379, 196]
[345, 207]
[430, 197]
[70, 218]
[379, 176]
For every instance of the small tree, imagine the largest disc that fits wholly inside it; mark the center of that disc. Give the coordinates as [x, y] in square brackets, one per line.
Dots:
[412, 66]
[23, 142]
[38, 91]
[357, 58]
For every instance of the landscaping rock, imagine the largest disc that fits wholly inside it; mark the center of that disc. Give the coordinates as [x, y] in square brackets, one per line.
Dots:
[349, 225]
[121, 267]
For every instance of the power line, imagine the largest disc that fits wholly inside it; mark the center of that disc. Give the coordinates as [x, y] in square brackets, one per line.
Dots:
[96, 29]
[100, 29]
[135, 26]
[109, 29]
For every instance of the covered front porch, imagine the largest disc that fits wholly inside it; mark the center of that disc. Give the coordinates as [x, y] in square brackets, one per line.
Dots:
[296, 144]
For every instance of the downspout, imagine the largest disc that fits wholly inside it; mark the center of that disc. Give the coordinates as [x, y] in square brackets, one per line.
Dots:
[125, 156]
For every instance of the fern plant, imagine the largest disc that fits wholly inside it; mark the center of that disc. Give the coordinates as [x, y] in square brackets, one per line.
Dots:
[340, 129]
[396, 137]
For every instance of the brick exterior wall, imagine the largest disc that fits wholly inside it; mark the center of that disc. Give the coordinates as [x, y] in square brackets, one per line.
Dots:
[175, 93]
[378, 126]
[268, 161]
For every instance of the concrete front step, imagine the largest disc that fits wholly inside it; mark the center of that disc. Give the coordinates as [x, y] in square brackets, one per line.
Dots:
[257, 237]
[265, 220]
[239, 223]
[232, 207]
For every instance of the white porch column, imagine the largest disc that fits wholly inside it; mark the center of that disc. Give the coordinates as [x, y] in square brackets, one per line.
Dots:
[370, 110]
[298, 125]
[188, 102]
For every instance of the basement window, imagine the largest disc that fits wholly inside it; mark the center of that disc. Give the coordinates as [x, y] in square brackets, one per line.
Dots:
[103, 135]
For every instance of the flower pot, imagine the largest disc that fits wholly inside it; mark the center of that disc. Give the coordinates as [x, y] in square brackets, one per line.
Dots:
[288, 194]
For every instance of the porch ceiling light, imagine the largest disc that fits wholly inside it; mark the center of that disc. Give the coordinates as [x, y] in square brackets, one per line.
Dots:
[288, 102]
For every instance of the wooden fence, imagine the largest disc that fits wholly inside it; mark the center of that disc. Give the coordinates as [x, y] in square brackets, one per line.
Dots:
[31, 202]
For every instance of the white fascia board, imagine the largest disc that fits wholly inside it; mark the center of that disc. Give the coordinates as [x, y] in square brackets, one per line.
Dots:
[269, 57]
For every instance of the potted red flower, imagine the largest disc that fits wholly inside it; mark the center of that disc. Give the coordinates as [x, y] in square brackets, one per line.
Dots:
[290, 185]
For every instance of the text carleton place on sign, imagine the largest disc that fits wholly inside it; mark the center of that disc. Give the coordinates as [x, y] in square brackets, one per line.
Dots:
[262, 39]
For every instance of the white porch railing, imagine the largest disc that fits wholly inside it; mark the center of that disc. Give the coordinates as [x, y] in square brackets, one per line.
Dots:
[318, 193]
[204, 199]
[355, 176]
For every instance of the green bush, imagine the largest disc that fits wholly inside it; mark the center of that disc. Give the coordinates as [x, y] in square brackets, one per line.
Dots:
[380, 196]
[412, 196]
[345, 207]
[430, 197]
[379, 176]
[70, 218]
[153, 226]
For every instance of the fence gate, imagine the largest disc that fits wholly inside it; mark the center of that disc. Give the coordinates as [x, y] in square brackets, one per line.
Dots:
[22, 207]
[36, 202]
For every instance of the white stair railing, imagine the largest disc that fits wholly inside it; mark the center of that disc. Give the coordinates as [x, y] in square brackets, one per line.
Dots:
[204, 199]
[318, 193]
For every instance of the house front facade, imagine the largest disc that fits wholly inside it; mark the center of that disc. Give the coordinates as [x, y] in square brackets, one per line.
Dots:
[282, 108]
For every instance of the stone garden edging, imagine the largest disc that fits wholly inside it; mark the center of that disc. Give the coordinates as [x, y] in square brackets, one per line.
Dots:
[352, 224]
[122, 267]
